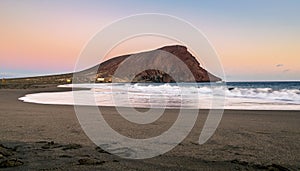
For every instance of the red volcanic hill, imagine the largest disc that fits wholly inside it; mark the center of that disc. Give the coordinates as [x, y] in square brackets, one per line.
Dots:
[107, 69]
[105, 72]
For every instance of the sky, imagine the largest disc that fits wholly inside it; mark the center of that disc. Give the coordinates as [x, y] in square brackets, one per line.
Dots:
[256, 40]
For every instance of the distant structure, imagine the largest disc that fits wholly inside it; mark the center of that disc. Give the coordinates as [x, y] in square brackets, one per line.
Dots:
[69, 80]
[3, 81]
[103, 80]
[100, 80]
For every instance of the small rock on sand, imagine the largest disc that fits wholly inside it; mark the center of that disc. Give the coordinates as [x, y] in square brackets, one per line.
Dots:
[88, 161]
[51, 145]
[11, 163]
[5, 151]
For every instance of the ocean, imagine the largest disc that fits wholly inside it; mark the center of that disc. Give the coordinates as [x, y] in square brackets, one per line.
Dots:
[229, 95]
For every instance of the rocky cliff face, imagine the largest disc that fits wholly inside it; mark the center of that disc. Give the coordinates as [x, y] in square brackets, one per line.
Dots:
[108, 68]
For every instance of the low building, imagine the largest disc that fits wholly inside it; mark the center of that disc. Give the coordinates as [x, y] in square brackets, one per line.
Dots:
[3, 81]
[100, 80]
[69, 80]
[103, 80]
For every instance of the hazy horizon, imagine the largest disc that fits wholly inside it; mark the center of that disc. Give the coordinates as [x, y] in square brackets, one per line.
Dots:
[255, 40]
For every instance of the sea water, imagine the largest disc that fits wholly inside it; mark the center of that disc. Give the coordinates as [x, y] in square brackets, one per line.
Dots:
[232, 95]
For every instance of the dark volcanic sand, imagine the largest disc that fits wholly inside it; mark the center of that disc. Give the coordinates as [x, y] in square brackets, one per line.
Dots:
[49, 137]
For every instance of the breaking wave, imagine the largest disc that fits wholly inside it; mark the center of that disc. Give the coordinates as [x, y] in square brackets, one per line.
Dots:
[184, 95]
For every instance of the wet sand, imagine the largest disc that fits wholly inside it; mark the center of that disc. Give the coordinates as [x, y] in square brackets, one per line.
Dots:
[49, 137]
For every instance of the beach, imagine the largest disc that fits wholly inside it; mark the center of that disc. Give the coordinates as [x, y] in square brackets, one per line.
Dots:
[49, 137]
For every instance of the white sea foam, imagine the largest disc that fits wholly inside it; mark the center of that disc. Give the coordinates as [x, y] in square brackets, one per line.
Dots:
[172, 96]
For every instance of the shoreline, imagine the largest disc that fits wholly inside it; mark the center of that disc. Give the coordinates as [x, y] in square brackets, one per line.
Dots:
[36, 134]
[69, 89]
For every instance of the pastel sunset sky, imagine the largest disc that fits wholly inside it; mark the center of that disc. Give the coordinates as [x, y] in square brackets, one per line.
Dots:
[255, 39]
